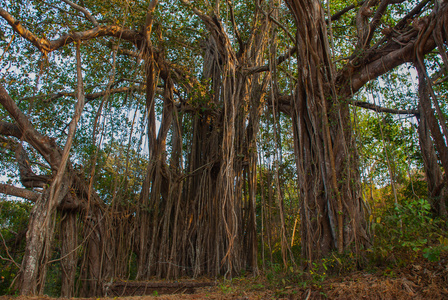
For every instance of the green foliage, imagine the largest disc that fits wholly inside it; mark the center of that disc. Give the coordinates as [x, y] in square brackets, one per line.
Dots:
[272, 272]
[225, 287]
[433, 254]
[318, 272]
[54, 279]
[121, 171]
[13, 225]
[405, 230]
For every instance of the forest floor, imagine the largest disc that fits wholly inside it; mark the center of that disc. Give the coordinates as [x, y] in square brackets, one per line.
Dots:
[421, 279]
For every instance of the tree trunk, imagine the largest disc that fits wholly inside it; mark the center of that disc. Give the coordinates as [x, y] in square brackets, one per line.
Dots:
[434, 178]
[35, 239]
[200, 216]
[98, 263]
[69, 257]
[38, 242]
[332, 211]
[429, 126]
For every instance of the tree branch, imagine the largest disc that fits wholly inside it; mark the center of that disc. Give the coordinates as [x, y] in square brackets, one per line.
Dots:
[384, 64]
[378, 108]
[89, 97]
[128, 52]
[11, 190]
[415, 11]
[57, 191]
[149, 19]
[291, 37]
[399, 49]
[84, 11]
[440, 76]
[111, 30]
[10, 129]
[235, 28]
[280, 59]
[284, 103]
[42, 44]
[43, 144]
[27, 177]
[47, 46]
[214, 26]
[340, 13]
[376, 20]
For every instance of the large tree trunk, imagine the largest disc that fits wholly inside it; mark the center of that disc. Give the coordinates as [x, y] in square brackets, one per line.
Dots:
[204, 218]
[436, 184]
[42, 218]
[429, 126]
[41, 224]
[332, 211]
[36, 249]
[223, 151]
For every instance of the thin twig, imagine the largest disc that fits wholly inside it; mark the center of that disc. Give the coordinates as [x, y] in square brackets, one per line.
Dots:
[7, 252]
[84, 11]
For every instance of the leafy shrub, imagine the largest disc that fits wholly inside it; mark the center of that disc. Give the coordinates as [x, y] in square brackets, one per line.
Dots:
[404, 231]
[13, 225]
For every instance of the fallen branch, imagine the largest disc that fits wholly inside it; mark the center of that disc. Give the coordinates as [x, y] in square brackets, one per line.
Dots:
[133, 288]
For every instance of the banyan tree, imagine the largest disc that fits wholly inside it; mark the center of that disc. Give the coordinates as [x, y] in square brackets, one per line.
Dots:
[134, 128]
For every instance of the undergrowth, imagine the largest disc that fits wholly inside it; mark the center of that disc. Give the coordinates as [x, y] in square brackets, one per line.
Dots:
[403, 233]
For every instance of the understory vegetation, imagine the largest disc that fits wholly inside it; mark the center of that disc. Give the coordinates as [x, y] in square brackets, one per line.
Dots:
[403, 234]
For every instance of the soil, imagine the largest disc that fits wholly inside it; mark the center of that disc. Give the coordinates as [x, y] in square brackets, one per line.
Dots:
[418, 280]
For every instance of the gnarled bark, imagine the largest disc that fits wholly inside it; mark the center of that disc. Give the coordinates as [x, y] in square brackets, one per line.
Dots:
[332, 211]
[429, 127]
[69, 253]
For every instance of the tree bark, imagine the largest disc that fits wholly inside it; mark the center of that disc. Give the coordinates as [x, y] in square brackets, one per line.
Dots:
[69, 257]
[332, 211]
[429, 126]
[38, 244]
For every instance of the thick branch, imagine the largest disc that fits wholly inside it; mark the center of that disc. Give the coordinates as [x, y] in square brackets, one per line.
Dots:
[111, 30]
[215, 28]
[27, 177]
[42, 44]
[400, 48]
[18, 192]
[394, 53]
[10, 129]
[47, 46]
[128, 52]
[235, 28]
[415, 11]
[57, 191]
[149, 19]
[376, 20]
[46, 146]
